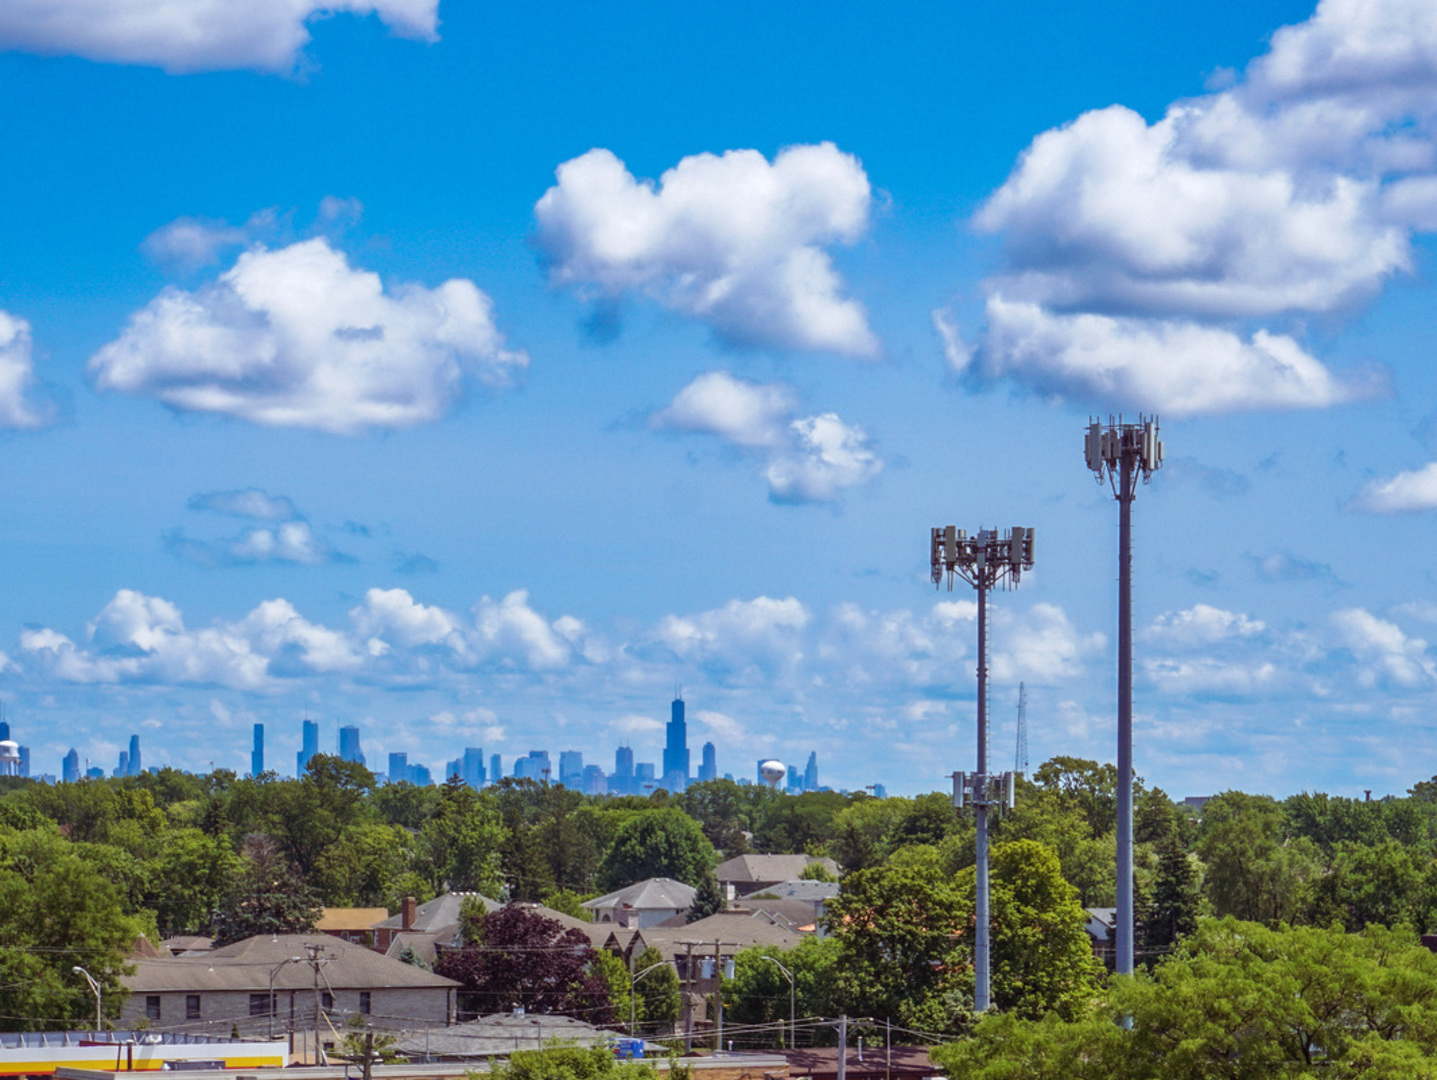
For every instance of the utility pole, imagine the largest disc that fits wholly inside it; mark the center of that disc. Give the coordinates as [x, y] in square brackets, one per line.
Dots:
[1119, 453]
[983, 561]
[688, 996]
[843, 1047]
[316, 957]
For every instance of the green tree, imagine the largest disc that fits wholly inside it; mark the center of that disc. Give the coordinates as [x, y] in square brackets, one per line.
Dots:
[270, 897]
[722, 811]
[57, 913]
[661, 843]
[1254, 872]
[758, 993]
[1042, 960]
[658, 999]
[458, 848]
[187, 879]
[308, 815]
[369, 866]
[903, 954]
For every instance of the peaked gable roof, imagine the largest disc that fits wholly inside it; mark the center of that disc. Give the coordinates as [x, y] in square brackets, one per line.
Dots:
[747, 869]
[653, 894]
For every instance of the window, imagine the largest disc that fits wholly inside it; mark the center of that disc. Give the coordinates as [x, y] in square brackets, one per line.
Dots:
[260, 1005]
[327, 1000]
[364, 1002]
[152, 1007]
[192, 1006]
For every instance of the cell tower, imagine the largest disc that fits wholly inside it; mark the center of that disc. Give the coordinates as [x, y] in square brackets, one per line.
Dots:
[1020, 756]
[1119, 453]
[983, 561]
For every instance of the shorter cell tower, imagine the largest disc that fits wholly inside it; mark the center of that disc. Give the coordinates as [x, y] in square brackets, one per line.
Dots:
[1020, 756]
[985, 560]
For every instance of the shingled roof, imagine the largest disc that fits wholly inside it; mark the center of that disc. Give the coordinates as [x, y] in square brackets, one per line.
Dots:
[248, 965]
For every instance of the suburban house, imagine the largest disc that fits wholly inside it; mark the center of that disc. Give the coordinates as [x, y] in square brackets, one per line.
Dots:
[1102, 927]
[269, 986]
[745, 874]
[643, 904]
[424, 927]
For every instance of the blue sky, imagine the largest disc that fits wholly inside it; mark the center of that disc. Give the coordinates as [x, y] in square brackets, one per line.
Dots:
[477, 374]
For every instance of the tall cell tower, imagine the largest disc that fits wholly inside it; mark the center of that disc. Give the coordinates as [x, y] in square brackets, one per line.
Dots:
[1020, 756]
[1119, 455]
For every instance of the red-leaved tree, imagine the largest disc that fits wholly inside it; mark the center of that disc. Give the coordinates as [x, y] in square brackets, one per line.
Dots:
[515, 956]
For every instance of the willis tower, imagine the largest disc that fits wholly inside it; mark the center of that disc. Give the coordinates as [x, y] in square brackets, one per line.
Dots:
[676, 749]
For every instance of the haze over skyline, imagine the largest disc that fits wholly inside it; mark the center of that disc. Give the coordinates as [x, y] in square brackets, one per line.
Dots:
[477, 375]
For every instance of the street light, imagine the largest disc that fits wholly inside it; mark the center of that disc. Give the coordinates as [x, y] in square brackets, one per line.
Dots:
[1118, 453]
[983, 561]
[792, 1001]
[634, 981]
[94, 986]
[270, 1000]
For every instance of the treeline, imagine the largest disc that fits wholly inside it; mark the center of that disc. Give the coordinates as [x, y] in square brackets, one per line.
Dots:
[86, 867]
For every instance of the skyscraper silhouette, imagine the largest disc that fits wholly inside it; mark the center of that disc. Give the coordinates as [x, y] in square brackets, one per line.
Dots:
[309, 746]
[676, 747]
[349, 744]
[708, 769]
[810, 774]
[134, 763]
[70, 771]
[256, 756]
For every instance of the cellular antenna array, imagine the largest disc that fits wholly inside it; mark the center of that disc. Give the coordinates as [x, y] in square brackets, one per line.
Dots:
[1119, 454]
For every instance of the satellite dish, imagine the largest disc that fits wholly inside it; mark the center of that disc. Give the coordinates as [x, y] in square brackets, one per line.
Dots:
[773, 772]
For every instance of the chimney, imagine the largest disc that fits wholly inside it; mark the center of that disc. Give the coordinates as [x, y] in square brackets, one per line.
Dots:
[406, 912]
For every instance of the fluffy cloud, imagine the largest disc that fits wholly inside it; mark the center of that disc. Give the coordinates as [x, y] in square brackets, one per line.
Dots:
[733, 240]
[1135, 251]
[1201, 625]
[1176, 366]
[194, 35]
[139, 638]
[744, 413]
[393, 616]
[763, 633]
[286, 537]
[245, 503]
[189, 243]
[807, 459]
[297, 338]
[512, 631]
[1406, 492]
[16, 374]
[1388, 655]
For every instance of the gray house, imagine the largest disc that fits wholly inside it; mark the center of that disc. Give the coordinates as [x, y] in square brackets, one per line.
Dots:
[268, 987]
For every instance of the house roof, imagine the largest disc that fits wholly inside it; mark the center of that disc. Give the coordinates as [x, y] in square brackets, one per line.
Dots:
[797, 914]
[332, 919]
[742, 929]
[652, 894]
[436, 914]
[749, 869]
[249, 964]
[503, 1033]
[802, 890]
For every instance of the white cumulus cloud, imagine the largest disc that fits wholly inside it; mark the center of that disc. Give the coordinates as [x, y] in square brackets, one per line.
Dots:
[17, 374]
[393, 616]
[1388, 654]
[1202, 624]
[296, 337]
[194, 35]
[1407, 492]
[806, 459]
[1137, 256]
[826, 457]
[1176, 366]
[765, 632]
[733, 240]
[139, 638]
[741, 412]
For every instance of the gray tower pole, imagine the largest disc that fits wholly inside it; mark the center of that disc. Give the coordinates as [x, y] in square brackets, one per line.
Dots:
[981, 969]
[1124, 959]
